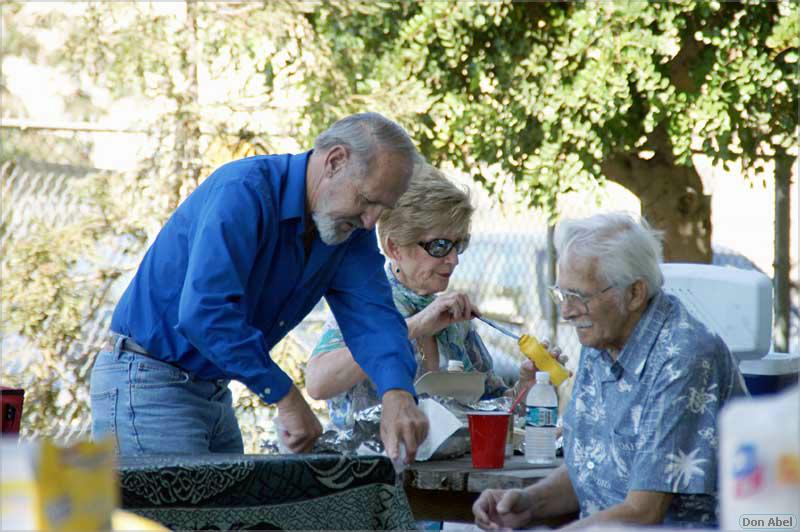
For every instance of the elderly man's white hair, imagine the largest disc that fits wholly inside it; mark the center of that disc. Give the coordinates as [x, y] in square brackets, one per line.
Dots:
[626, 247]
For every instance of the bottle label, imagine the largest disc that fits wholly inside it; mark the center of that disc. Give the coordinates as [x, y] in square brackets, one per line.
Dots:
[542, 416]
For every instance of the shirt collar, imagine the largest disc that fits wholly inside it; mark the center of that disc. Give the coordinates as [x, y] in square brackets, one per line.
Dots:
[633, 357]
[637, 349]
[293, 199]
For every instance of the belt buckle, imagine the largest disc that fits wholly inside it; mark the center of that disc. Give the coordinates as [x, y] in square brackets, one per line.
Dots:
[111, 343]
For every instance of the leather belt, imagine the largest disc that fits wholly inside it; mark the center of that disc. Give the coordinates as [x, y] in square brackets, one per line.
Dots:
[127, 344]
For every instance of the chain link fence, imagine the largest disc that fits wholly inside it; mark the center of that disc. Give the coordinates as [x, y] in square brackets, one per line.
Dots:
[35, 196]
[505, 271]
[44, 174]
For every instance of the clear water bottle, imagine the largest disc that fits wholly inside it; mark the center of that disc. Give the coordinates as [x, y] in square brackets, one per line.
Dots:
[540, 424]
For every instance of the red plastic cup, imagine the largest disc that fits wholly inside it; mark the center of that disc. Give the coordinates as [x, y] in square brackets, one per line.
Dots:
[487, 433]
[11, 400]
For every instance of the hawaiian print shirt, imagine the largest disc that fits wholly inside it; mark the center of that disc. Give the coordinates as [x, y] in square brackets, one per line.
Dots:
[459, 341]
[648, 421]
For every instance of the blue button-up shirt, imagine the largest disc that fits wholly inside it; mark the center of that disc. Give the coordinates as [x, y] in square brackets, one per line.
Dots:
[227, 278]
[648, 421]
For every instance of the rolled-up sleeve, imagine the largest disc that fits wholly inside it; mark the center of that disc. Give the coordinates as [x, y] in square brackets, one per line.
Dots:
[372, 327]
[232, 227]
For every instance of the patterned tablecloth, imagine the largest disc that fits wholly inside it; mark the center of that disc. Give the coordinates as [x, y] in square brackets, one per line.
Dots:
[264, 492]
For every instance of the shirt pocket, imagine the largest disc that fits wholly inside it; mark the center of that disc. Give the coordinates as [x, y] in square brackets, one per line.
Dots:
[623, 451]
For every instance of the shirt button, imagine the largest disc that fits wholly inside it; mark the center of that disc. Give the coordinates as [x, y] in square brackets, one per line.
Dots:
[590, 465]
[266, 391]
[281, 323]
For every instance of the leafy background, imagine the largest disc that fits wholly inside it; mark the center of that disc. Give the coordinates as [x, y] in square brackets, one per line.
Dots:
[534, 100]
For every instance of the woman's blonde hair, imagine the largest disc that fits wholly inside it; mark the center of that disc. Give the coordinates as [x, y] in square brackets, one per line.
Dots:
[431, 203]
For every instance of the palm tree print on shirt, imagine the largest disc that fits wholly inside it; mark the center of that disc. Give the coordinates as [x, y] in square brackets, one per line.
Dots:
[683, 467]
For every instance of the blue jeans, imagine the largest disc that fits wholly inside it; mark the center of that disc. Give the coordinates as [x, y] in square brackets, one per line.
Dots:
[151, 407]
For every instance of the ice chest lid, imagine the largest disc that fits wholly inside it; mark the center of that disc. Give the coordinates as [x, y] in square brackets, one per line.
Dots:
[466, 387]
[772, 364]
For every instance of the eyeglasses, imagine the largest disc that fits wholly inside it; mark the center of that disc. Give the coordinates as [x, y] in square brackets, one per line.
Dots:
[562, 297]
[441, 247]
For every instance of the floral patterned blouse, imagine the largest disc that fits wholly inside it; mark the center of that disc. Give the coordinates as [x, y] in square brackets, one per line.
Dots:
[459, 341]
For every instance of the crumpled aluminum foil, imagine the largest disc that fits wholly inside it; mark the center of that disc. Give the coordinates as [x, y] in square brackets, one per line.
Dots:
[362, 438]
[365, 435]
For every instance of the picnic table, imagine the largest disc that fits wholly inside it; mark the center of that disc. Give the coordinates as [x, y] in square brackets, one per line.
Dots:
[444, 490]
[285, 492]
[310, 492]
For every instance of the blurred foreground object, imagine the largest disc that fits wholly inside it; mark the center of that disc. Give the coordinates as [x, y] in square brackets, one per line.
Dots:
[45, 487]
[122, 520]
[759, 465]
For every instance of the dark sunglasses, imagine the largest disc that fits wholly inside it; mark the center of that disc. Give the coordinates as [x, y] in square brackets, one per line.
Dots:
[441, 247]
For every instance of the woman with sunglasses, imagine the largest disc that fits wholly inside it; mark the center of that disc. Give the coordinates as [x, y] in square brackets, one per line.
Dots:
[422, 237]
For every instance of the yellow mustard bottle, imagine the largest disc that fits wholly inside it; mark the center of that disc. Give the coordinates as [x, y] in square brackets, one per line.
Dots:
[543, 360]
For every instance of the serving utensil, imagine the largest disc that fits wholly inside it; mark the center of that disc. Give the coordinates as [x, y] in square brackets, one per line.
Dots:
[500, 328]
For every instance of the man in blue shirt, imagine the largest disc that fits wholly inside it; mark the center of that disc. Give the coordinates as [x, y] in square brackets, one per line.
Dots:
[640, 432]
[241, 262]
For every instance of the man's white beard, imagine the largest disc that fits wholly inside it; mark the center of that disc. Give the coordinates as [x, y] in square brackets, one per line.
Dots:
[328, 229]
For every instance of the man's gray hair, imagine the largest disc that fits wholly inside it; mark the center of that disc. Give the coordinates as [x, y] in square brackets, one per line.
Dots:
[626, 247]
[367, 134]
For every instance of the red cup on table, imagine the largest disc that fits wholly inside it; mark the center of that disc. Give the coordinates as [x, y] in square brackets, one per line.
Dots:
[487, 434]
[11, 400]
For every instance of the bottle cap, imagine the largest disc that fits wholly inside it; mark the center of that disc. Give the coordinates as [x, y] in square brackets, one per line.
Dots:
[542, 377]
[455, 365]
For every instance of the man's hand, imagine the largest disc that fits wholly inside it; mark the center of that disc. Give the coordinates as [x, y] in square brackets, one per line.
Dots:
[527, 370]
[402, 422]
[299, 427]
[503, 509]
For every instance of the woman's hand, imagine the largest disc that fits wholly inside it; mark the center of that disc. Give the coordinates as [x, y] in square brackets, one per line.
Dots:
[443, 311]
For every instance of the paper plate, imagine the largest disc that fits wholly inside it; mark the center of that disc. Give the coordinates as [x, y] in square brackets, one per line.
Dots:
[466, 387]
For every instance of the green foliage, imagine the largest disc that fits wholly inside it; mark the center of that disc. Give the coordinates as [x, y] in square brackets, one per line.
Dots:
[13, 38]
[549, 91]
[545, 94]
[59, 282]
[43, 146]
[57, 275]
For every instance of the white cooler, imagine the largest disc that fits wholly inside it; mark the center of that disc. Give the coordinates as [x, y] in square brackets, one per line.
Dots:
[771, 374]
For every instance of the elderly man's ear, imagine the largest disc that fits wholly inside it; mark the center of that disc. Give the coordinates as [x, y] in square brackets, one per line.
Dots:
[638, 296]
[336, 158]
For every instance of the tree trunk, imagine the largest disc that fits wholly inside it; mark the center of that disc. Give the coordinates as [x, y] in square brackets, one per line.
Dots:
[187, 126]
[783, 184]
[672, 197]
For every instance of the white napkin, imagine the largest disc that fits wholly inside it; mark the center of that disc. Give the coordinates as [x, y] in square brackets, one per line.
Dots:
[441, 425]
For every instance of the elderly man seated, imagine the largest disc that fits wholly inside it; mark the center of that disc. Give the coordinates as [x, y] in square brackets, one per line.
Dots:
[640, 436]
